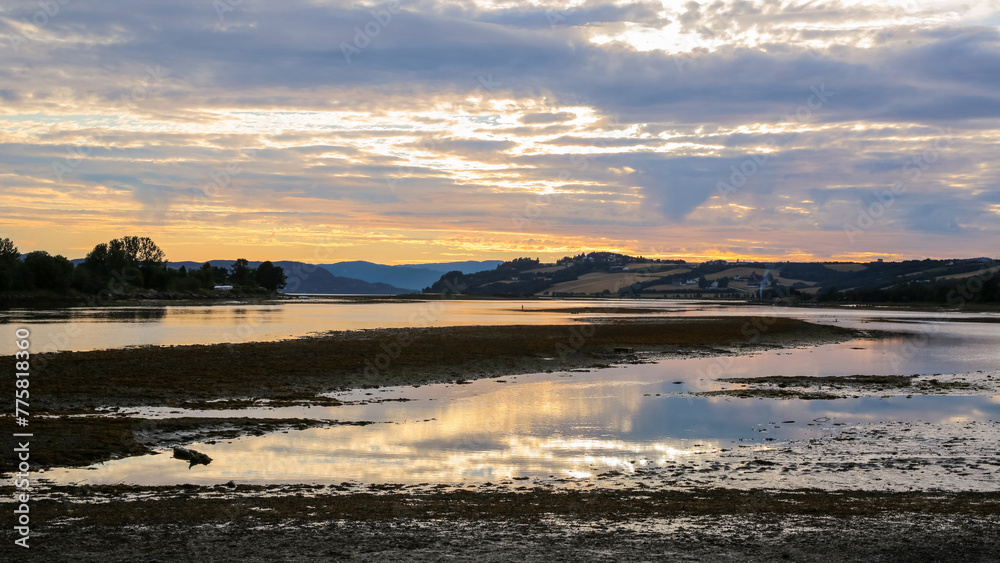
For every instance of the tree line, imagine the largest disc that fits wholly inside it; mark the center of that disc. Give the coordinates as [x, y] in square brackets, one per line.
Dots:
[126, 265]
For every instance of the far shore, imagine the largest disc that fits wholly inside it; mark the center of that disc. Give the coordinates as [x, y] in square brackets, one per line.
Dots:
[44, 300]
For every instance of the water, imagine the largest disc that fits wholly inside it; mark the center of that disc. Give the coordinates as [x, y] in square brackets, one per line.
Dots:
[88, 328]
[99, 328]
[615, 426]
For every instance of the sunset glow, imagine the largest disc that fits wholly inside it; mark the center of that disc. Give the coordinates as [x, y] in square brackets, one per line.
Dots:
[475, 130]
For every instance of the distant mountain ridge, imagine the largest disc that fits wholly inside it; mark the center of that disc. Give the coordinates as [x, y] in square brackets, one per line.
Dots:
[417, 276]
[355, 276]
[310, 278]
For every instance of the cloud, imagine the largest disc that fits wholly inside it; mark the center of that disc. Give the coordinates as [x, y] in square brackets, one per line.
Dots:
[626, 117]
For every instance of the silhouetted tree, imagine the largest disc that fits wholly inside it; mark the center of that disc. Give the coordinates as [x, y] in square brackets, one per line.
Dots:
[43, 271]
[133, 260]
[270, 277]
[240, 273]
[8, 261]
[8, 252]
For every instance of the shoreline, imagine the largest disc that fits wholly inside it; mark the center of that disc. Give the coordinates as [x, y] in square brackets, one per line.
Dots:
[46, 300]
[316, 523]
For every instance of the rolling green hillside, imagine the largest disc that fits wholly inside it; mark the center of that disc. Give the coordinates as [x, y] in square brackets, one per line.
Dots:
[952, 281]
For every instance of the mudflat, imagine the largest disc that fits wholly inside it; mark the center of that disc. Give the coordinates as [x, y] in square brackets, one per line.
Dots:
[304, 368]
[313, 523]
[512, 520]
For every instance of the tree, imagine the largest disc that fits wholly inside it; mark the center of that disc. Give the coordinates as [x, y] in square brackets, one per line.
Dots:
[8, 252]
[829, 294]
[129, 259]
[140, 251]
[8, 261]
[47, 272]
[240, 273]
[270, 277]
[703, 282]
[723, 282]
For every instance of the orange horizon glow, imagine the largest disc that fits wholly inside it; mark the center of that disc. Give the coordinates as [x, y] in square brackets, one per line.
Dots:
[758, 130]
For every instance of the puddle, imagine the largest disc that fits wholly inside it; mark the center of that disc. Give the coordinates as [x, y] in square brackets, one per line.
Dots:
[597, 426]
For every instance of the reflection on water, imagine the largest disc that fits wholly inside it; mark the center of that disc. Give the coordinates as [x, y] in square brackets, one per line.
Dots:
[578, 425]
[549, 426]
[97, 328]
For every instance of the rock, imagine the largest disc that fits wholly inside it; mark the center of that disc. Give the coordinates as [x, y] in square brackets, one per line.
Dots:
[192, 457]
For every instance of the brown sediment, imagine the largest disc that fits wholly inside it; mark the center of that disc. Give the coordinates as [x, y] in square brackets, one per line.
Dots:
[276, 503]
[301, 369]
[836, 387]
[876, 381]
[116, 523]
[769, 394]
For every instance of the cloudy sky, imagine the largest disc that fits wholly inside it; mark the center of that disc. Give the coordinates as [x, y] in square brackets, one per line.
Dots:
[434, 130]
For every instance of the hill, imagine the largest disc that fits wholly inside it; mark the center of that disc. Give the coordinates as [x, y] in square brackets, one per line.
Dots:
[603, 274]
[405, 275]
[310, 278]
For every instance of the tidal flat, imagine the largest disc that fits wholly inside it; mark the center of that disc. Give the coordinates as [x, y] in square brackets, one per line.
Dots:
[824, 490]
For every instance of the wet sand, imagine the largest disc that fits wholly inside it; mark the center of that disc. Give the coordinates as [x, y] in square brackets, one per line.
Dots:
[840, 387]
[323, 523]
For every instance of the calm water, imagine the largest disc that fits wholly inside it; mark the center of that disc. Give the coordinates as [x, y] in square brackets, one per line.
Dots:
[98, 328]
[582, 425]
[120, 327]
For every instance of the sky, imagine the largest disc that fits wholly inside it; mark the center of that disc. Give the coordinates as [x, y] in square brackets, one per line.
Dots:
[414, 131]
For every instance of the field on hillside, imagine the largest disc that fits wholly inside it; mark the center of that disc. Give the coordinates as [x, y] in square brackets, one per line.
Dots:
[846, 267]
[598, 282]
